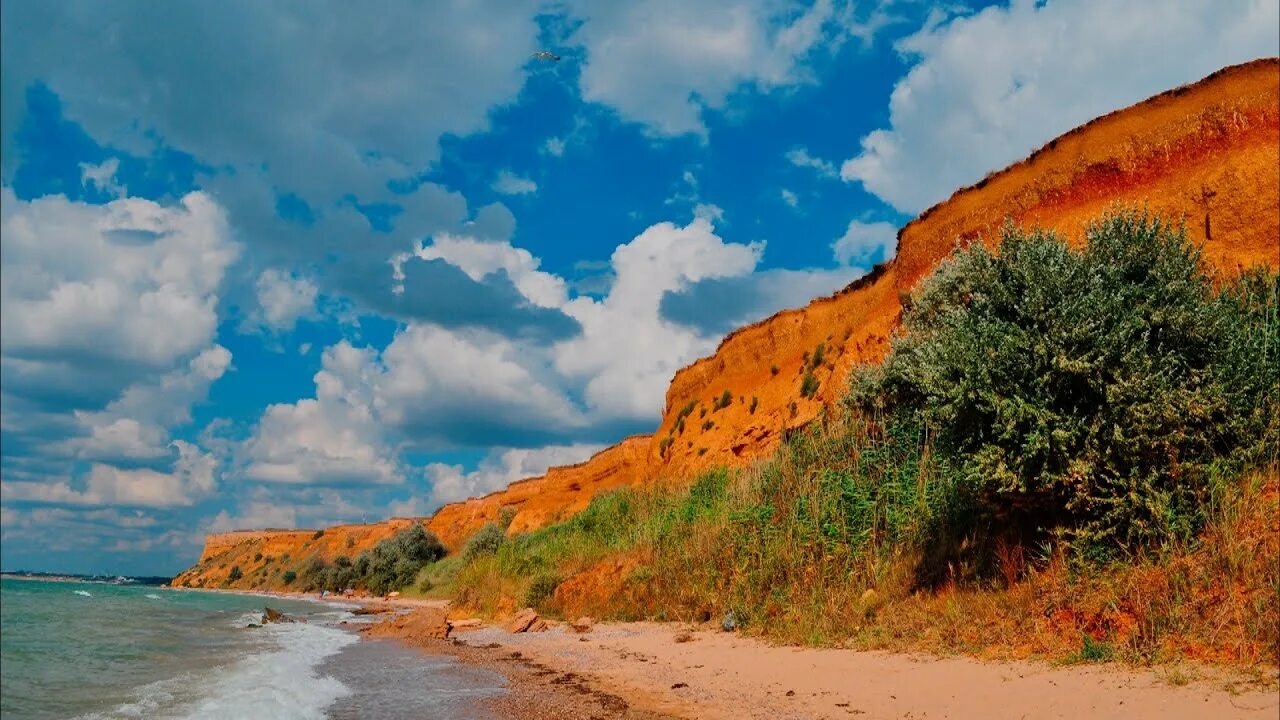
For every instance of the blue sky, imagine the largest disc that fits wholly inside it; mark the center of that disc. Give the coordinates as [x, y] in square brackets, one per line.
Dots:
[291, 265]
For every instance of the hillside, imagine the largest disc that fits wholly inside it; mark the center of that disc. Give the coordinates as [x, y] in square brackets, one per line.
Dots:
[1207, 153]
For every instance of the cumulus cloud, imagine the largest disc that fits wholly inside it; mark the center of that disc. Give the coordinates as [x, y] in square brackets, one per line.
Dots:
[127, 283]
[342, 118]
[865, 244]
[135, 425]
[451, 483]
[107, 317]
[332, 438]
[192, 477]
[627, 352]
[790, 198]
[284, 298]
[662, 62]
[987, 89]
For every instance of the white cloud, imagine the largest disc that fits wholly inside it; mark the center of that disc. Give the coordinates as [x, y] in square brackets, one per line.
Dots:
[193, 477]
[554, 146]
[332, 438]
[135, 425]
[790, 198]
[509, 183]
[107, 318]
[334, 100]
[255, 515]
[284, 298]
[987, 89]
[480, 259]
[450, 483]
[129, 281]
[864, 244]
[103, 177]
[662, 62]
[439, 381]
[800, 157]
[627, 352]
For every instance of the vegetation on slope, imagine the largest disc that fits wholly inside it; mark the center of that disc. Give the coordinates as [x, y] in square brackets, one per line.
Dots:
[1069, 454]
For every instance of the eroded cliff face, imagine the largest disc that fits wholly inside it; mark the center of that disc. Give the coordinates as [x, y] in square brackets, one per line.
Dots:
[264, 556]
[1207, 153]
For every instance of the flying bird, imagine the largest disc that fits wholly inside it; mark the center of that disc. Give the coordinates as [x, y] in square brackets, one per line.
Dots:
[547, 55]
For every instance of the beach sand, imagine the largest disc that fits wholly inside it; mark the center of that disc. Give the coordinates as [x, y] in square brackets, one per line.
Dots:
[651, 671]
[667, 670]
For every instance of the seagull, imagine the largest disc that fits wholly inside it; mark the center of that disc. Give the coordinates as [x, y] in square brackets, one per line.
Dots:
[547, 55]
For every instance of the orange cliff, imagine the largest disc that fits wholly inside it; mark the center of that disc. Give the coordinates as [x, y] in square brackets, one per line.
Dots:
[1206, 153]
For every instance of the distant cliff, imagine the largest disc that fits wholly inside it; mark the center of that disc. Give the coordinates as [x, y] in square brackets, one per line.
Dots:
[1207, 153]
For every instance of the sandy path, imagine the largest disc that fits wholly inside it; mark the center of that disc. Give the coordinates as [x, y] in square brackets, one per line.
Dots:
[726, 676]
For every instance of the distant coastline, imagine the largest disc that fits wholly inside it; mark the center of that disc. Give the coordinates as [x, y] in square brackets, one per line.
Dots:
[70, 578]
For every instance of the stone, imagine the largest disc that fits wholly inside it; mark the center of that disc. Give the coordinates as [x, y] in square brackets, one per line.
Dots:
[730, 622]
[427, 623]
[271, 615]
[582, 625]
[522, 621]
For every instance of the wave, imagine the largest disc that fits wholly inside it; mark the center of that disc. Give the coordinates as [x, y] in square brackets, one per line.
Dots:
[154, 596]
[278, 681]
[84, 593]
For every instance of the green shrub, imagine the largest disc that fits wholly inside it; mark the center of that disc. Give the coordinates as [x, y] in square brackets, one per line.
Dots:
[1096, 391]
[257, 557]
[809, 384]
[818, 354]
[288, 577]
[506, 514]
[486, 541]
[724, 401]
[755, 401]
[774, 369]
[319, 534]
[663, 444]
[235, 573]
[540, 590]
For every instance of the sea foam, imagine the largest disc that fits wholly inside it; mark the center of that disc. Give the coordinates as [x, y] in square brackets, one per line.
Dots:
[279, 683]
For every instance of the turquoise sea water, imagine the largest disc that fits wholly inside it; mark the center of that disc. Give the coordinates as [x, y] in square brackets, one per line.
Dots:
[87, 650]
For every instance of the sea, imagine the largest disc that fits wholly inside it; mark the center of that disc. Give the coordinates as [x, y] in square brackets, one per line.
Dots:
[98, 650]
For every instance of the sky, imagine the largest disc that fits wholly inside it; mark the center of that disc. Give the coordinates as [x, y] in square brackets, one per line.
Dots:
[298, 264]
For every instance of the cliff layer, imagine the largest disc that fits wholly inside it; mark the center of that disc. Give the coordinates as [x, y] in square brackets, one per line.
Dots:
[1206, 153]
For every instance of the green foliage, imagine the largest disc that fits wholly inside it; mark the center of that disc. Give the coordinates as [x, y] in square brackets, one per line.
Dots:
[319, 534]
[541, 589]
[1097, 391]
[774, 369]
[392, 564]
[1094, 650]
[288, 577]
[257, 557]
[506, 514]
[818, 354]
[808, 384]
[486, 541]
[724, 401]
[235, 573]
[663, 445]
[708, 425]
[755, 402]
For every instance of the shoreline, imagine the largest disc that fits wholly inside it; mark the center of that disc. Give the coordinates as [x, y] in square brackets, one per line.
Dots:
[662, 671]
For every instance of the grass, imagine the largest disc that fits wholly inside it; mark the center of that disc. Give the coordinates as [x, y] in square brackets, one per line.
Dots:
[852, 538]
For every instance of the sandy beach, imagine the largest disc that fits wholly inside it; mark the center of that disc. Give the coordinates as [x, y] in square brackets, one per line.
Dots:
[649, 670]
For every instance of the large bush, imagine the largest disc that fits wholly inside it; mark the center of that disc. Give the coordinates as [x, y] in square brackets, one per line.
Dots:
[390, 565]
[1098, 391]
